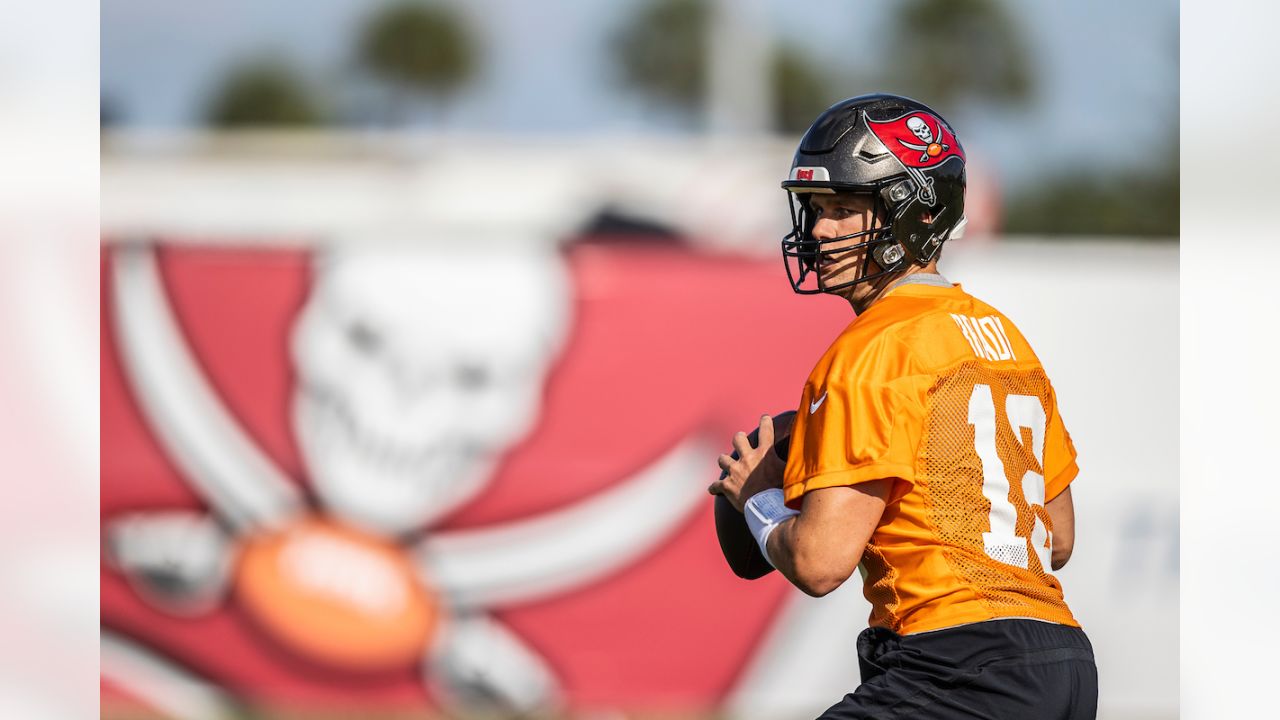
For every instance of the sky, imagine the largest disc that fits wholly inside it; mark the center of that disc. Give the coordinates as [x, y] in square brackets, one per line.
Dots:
[1108, 70]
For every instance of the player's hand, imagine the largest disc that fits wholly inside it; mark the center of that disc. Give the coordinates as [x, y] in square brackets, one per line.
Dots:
[755, 469]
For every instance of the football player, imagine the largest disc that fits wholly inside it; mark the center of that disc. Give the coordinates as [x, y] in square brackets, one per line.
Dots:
[927, 449]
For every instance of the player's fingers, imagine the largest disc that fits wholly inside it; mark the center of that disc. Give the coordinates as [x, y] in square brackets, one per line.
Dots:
[742, 444]
[724, 461]
[766, 431]
[716, 488]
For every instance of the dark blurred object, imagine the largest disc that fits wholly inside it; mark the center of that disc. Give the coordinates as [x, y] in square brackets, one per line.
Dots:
[662, 53]
[110, 114]
[947, 51]
[1133, 204]
[266, 92]
[736, 542]
[417, 49]
[612, 226]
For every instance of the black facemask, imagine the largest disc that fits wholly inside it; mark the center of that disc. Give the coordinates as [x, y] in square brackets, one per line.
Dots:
[803, 253]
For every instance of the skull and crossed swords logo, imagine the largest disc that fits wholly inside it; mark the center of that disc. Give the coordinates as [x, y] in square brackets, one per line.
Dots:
[933, 145]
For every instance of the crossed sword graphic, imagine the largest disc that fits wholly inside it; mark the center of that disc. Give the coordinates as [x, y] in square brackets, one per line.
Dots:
[924, 149]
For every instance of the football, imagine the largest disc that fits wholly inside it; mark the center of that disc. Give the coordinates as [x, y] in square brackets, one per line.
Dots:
[336, 596]
[736, 543]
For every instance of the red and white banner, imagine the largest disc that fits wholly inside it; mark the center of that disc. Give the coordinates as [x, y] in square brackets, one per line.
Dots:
[411, 478]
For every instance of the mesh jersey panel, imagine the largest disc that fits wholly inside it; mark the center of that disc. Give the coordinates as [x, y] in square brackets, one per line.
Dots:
[950, 478]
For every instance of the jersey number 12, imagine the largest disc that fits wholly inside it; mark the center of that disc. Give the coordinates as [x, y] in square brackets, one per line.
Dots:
[1002, 543]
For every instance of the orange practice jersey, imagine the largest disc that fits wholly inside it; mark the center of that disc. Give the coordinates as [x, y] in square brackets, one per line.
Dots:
[939, 390]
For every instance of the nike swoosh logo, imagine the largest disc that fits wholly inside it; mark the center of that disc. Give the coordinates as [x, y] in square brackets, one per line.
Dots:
[813, 406]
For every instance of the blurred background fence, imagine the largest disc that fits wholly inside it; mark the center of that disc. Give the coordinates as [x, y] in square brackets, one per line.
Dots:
[411, 363]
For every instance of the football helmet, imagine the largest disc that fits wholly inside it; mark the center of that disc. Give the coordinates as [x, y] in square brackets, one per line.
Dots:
[900, 153]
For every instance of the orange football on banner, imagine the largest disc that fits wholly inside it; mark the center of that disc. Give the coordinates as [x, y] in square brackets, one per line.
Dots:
[337, 596]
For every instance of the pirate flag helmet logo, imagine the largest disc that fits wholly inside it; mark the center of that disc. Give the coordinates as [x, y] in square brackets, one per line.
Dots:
[918, 140]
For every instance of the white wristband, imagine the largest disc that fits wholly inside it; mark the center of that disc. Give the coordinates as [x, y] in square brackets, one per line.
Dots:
[765, 511]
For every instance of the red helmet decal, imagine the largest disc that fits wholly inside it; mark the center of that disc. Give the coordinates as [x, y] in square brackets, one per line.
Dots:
[918, 139]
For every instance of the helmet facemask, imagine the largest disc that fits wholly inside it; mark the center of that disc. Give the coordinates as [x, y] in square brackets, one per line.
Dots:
[804, 254]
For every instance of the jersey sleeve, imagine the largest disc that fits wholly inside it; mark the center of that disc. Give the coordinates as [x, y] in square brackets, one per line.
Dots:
[853, 429]
[1059, 453]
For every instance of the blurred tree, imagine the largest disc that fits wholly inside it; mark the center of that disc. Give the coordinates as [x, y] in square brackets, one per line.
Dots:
[662, 53]
[1137, 203]
[263, 92]
[1102, 199]
[801, 91]
[950, 50]
[417, 49]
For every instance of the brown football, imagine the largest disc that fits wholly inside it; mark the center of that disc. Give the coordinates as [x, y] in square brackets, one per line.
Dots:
[736, 543]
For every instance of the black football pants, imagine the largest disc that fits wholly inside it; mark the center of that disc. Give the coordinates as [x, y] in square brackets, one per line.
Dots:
[994, 670]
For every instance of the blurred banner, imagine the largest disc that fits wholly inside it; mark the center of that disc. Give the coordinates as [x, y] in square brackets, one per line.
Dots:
[380, 477]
